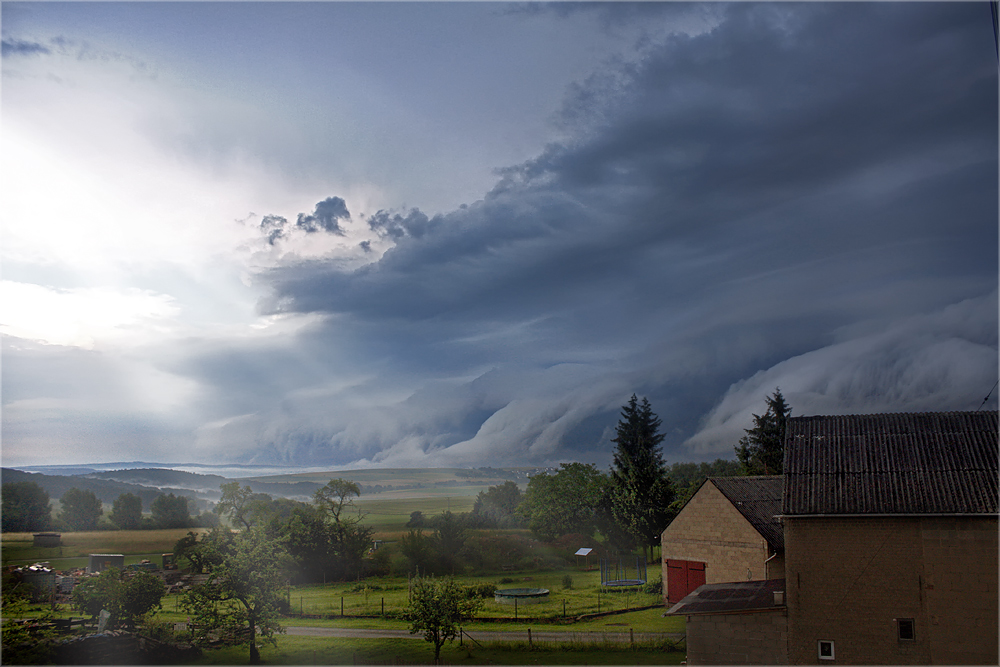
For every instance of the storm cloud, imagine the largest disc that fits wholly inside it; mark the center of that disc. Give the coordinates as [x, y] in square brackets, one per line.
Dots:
[725, 212]
[751, 196]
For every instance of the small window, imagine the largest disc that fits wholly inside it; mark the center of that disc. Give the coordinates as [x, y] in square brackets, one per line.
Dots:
[826, 649]
[905, 629]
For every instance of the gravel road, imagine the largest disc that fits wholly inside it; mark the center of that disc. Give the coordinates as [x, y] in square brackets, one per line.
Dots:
[489, 635]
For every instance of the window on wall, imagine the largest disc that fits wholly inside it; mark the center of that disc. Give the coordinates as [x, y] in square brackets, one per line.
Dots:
[905, 629]
[826, 649]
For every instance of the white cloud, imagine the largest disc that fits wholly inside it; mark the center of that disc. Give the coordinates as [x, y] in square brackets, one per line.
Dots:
[934, 362]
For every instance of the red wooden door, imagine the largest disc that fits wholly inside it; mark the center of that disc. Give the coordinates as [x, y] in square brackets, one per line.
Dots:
[683, 576]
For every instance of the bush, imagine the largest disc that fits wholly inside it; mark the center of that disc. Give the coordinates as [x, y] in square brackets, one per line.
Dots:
[483, 590]
[567, 582]
[654, 586]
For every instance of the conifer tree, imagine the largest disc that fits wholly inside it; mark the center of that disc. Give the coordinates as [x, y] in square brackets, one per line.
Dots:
[641, 491]
[762, 450]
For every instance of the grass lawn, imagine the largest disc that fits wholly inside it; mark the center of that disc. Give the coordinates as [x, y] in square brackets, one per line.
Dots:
[325, 651]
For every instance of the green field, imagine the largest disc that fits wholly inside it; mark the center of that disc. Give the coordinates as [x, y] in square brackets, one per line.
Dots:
[17, 549]
[379, 602]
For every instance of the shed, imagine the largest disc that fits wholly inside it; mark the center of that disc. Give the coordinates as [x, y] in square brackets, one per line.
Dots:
[738, 623]
[47, 540]
[99, 562]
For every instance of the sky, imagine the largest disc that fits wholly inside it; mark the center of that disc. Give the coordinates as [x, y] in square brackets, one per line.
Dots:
[464, 234]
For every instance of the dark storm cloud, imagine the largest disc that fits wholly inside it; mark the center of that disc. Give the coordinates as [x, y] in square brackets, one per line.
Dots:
[327, 215]
[19, 47]
[736, 200]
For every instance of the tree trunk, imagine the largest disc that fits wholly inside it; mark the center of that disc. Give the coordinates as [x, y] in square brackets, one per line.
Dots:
[254, 653]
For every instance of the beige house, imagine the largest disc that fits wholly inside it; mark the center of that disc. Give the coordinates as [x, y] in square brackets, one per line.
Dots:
[891, 549]
[726, 532]
[891, 536]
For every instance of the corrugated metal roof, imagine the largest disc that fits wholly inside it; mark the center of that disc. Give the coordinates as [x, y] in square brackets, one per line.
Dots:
[758, 498]
[731, 597]
[913, 463]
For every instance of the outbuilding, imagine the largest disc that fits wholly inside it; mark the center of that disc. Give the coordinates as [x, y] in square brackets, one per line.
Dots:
[99, 562]
[727, 531]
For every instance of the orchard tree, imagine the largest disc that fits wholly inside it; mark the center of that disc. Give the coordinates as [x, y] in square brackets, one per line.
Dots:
[642, 493]
[126, 513]
[25, 507]
[241, 600]
[437, 608]
[80, 509]
[762, 450]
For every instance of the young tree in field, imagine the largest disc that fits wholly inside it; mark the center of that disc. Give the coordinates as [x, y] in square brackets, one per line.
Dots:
[126, 513]
[762, 450]
[170, 511]
[642, 494]
[80, 509]
[437, 607]
[127, 596]
[564, 502]
[25, 507]
[240, 602]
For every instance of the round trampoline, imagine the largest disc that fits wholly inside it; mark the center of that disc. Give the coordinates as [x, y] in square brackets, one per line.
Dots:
[521, 595]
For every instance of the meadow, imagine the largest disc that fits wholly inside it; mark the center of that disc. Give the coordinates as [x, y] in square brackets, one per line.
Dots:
[378, 602]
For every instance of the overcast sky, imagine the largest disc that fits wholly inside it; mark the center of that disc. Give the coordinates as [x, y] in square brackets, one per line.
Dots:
[452, 234]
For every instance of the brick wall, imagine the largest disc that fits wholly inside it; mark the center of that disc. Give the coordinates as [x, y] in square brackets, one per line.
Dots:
[757, 638]
[849, 579]
[710, 530]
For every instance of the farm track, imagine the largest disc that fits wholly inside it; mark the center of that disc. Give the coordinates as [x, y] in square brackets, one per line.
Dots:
[617, 637]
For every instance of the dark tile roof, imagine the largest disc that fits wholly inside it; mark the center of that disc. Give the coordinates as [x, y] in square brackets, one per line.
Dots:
[758, 498]
[731, 597]
[919, 463]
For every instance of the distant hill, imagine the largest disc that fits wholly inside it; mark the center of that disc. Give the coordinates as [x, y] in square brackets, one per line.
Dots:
[105, 490]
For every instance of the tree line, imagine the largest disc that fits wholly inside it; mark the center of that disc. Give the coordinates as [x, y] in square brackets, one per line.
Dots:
[27, 508]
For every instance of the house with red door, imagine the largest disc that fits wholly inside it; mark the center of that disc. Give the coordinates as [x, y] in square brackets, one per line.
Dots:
[727, 531]
[890, 550]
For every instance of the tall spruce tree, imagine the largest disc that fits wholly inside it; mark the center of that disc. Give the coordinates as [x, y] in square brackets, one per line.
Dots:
[641, 491]
[762, 450]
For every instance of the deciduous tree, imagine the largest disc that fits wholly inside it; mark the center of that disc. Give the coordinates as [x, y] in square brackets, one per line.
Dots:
[564, 502]
[80, 509]
[25, 507]
[762, 450]
[437, 607]
[126, 512]
[127, 596]
[241, 600]
[170, 511]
